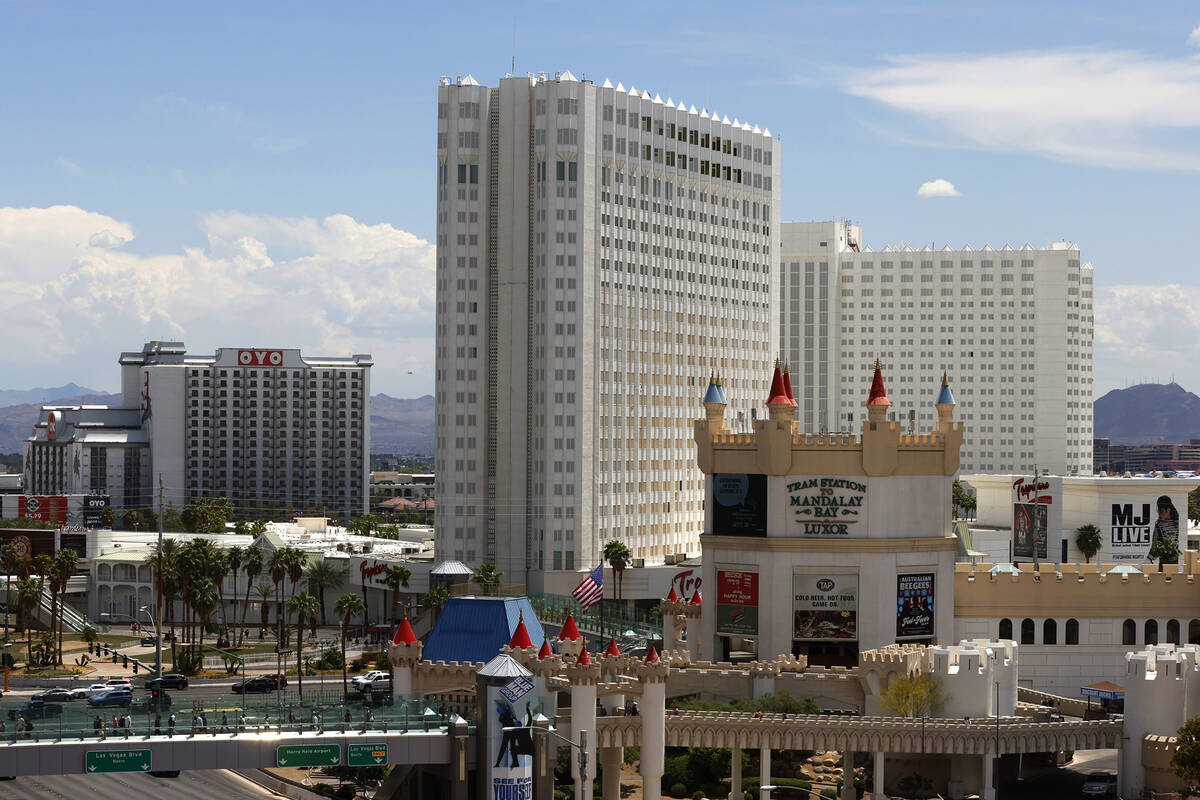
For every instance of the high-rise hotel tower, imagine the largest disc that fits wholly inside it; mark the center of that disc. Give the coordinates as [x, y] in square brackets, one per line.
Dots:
[601, 252]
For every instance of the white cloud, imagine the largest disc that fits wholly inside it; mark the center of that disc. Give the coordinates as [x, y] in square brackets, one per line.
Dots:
[1147, 332]
[330, 286]
[939, 187]
[1108, 108]
[69, 167]
[1194, 36]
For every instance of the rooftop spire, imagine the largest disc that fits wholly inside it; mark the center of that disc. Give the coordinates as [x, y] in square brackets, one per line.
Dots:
[520, 637]
[778, 395]
[404, 633]
[787, 385]
[569, 630]
[545, 652]
[945, 396]
[878, 396]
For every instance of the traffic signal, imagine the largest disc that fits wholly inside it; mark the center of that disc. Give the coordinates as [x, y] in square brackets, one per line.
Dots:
[90, 649]
[135, 667]
[124, 660]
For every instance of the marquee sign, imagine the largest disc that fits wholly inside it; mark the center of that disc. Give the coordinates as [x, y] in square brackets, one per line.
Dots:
[827, 506]
[260, 358]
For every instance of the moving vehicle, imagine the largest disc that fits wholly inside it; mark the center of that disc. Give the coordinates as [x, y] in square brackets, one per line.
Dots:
[156, 701]
[148, 641]
[261, 683]
[115, 697]
[119, 683]
[367, 678]
[54, 696]
[171, 680]
[1100, 784]
[278, 680]
[165, 773]
[36, 709]
[80, 693]
[380, 683]
[97, 688]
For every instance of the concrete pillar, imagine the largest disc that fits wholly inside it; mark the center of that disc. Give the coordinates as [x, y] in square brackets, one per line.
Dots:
[764, 772]
[460, 738]
[989, 776]
[653, 677]
[610, 772]
[877, 791]
[583, 717]
[735, 778]
[545, 757]
[848, 775]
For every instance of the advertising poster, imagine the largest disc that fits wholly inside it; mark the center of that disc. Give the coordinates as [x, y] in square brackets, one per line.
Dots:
[825, 607]
[1135, 523]
[510, 753]
[827, 506]
[1037, 515]
[739, 505]
[52, 508]
[737, 602]
[1029, 530]
[914, 605]
[92, 506]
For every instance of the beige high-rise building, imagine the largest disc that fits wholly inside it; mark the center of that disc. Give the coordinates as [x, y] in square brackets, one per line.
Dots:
[601, 251]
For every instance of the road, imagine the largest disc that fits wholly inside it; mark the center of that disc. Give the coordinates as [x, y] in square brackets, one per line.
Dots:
[1056, 783]
[198, 785]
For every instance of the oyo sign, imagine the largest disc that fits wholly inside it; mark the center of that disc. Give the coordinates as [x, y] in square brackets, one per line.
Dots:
[260, 358]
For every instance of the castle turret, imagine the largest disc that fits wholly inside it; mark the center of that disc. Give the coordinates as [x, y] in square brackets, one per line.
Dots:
[945, 402]
[787, 386]
[953, 431]
[877, 402]
[880, 438]
[715, 403]
[779, 405]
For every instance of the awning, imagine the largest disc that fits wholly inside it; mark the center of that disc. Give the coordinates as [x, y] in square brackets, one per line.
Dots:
[1104, 690]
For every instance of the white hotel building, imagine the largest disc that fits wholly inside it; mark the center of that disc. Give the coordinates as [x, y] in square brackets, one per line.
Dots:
[1013, 328]
[601, 251]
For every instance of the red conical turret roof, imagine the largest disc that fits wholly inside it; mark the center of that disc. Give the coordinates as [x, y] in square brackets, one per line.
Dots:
[787, 386]
[672, 597]
[584, 659]
[404, 633]
[878, 395]
[545, 652]
[520, 637]
[652, 656]
[569, 630]
[696, 598]
[612, 649]
[778, 395]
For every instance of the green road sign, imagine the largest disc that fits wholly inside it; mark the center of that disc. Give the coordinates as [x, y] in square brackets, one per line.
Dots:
[118, 761]
[308, 755]
[367, 755]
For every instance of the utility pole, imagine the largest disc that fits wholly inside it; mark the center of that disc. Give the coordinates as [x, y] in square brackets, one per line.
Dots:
[158, 587]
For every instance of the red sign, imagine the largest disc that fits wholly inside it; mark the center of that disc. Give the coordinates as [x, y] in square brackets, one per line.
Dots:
[737, 588]
[686, 582]
[370, 572]
[1027, 491]
[260, 358]
[46, 508]
[51, 427]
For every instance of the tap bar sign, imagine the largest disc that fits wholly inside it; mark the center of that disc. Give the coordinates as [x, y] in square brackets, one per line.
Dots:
[737, 602]
[914, 605]
[825, 607]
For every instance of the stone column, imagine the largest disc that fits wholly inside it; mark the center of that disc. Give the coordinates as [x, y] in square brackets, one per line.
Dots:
[610, 772]
[545, 756]
[764, 772]
[460, 738]
[848, 775]
[989, 776]
[764, 674]
[403, 654]
[583, 675]
[735, 778]
[877, 792]
[653, 676]
[673, 621]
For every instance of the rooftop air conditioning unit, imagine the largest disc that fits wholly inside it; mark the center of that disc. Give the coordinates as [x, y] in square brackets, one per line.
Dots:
[637, 563]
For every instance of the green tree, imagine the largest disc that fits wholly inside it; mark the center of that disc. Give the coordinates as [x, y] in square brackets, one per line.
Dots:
[1087, 539]
[961, 499]
[1186, 759]
[396, 577]
[347, 606]
[252, 565]
[65, 562]
[107, 517]
[488, 577]
[277, 569]
[207, 514]
[321, 575]
[202, 596]
[129, 519]
[917, 695]
[436, 597]
[8, 557]
[304, 606]
[618, 556]
[1164, 549]
[264, 591]
[29, 594]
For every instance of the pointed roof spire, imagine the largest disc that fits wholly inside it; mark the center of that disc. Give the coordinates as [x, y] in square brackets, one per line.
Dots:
[612, 649]
[404, 633]
[787, 385]
[672, 597]
[777, 396]
[715, 394]
[652, 656]
[545, 652]
[945, 396]
[520, 637]
[878, 396]
[696, 598]
[584, 659]
[569, 631]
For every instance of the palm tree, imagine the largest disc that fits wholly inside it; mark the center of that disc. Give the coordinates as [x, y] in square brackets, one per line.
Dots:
[1087, 539]
[278, 568]
[65, 561]
[234, 556]
[252, 565]
[263, 590]
[618, 556]
[486, 575]
[436, 597]
[8, 555]
[304, 606]
[395, 577]
[203, 598]
[322, 575]
[296, 561]
[29, 594]
[348, 605]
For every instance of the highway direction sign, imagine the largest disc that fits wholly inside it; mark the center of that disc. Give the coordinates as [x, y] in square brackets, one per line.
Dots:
[308, 755]
[117, 761]
[367, 755]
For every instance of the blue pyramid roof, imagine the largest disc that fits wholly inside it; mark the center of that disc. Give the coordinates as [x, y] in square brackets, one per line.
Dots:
[945, 397]
[715, 393]
[475, 628]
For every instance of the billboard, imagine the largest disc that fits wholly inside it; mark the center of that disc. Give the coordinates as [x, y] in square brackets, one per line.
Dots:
[260, 358]
[739, 505]
[1037, 515]
[827, 506]
[914, 606]
[737, 602]
[825, 607]
[1030, 522]
[92, 506]
[47, 508]
[1135, 523]
[510, 752]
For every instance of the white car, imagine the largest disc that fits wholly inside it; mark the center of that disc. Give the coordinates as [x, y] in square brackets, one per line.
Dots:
[369, 679]
[83, 692]
[119, 683]
[97, 688]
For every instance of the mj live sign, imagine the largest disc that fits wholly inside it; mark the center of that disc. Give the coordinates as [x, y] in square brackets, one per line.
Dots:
[367, 755]
[117, 761]
[308, 755]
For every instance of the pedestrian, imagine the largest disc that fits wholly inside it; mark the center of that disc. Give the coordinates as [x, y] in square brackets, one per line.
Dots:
[224, 722]
[115, 722]
[241, 721]
[368, 716]
[634, 708]
[203, 722]
[346, 717]
[98, 726]
[20, 724]
[127, 724]
[171, 724]
[291, 717]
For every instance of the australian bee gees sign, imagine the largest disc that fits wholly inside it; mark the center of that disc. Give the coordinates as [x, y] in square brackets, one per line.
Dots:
[827, 506]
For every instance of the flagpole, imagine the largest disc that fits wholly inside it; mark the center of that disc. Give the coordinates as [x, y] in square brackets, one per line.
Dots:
[601, 644]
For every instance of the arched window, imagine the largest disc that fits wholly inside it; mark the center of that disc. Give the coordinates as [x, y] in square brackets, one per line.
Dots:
[1006, 628]
[1194, 632]
[1027, 631]
[1072, 632]
[1173, 631]
[1128, 632]
[1049, 632]
[1151, 631]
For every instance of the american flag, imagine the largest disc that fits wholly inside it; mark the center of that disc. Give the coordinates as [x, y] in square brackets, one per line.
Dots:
[591, 589]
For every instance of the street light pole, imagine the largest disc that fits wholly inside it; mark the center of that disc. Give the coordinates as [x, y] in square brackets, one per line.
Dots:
[158, 586]
[157, 643]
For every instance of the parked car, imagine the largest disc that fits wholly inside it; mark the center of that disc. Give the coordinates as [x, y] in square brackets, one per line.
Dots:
[380, 683]
[164, 773]
[115, 697]
[119, 683]
[367, 678]
[278, 680]
[98, 688]
[80, 693]
[155, 701]
[36, 709]
[54, 696]
[171, 680]
[261, 683]
[1100, 784]
[148, 641]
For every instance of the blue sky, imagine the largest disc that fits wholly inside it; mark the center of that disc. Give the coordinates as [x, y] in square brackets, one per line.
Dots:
[202, 171]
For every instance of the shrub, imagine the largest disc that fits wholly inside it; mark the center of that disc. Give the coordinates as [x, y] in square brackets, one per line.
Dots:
[830, 793]
[559, 794]
[632, 755]
[678, 790]
[346, 791]
[698, 795]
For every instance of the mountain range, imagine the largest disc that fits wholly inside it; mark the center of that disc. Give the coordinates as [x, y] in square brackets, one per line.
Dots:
[1147, 413]
[398, 425]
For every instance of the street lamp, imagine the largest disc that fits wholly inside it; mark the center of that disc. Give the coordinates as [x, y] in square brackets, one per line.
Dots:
[242, 663]
[157, 642]
[7, 655]
[581, 746]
